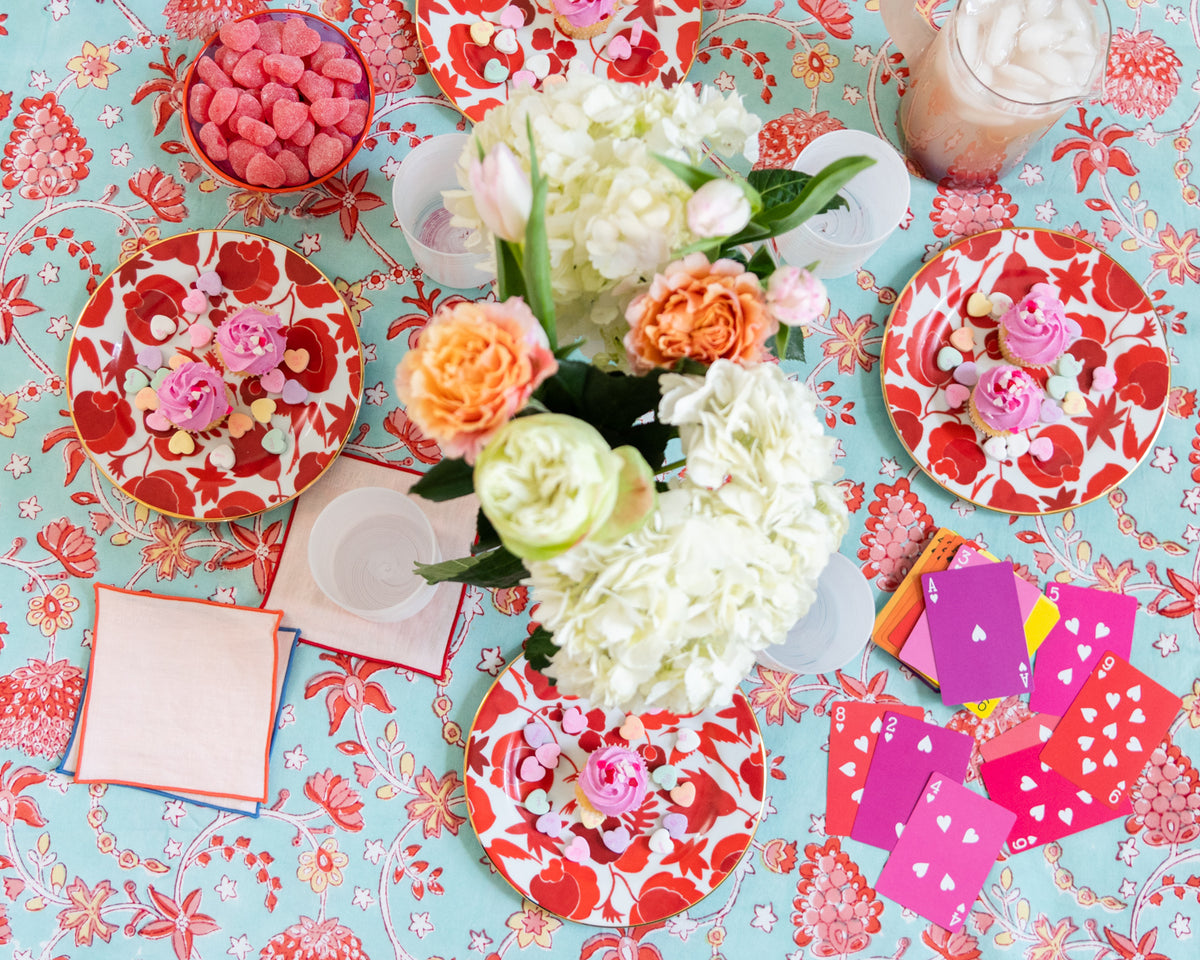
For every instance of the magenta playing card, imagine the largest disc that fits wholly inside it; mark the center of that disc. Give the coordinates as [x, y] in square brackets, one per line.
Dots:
[1090, 622]
[907, 751]
[978, 633]
[1046, 804]
[943, 857]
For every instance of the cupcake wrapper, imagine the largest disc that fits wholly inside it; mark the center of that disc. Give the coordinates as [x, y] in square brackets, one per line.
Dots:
[582, 33]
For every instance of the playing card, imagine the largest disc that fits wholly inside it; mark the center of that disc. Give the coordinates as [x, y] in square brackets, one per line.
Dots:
[1103, 740]
[1035, 730]
[906, 753]
[978, 634]
[853, 729]
[1090, 622]
[1046, 804]
[943, 857]
[895, 621]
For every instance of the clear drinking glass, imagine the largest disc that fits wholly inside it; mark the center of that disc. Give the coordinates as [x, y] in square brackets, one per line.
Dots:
[997, 75]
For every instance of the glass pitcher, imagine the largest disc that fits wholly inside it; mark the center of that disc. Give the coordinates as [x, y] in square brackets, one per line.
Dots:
[996, 76]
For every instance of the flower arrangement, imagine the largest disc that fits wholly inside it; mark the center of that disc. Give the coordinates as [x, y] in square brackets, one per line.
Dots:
[569, 460]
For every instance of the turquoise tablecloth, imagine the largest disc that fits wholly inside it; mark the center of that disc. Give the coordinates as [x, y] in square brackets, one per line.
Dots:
[77, 863]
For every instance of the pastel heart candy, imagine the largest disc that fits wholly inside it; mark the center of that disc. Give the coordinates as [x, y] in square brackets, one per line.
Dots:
[239, 424]
[161, 327]
[524, 78]
[1103, 379]
[535, 734]
[956, 395]
[156, 421]
[617, 840]
[536, 802]
[687, 740]
[1018, 446]
[146, 399]
[512, 17]
[177, 360]
[272, 381]
[632, 728]
[978, 305]
[1073, 403]
[1051, 412]
[547, 755]
[684, 794]
[963, 339]
[200, 334]
[275, 441]
[577, 850]
[665, 776]
[530, 770]
[150, 357]
[618, 48]
[1069, 366]
[661, 842]
[590, 817]
[538, 65]
[160, 375]
[296, 360]
[134, 380]
[481, 33]
[221, 456]
[1041, 448]
[1001, 303]
[1058, 386]
[262, 409]
[194, 302]
[996, 448]
[675, 824]
[967, 373]
[551, 824]
[181, 442]
[506, 41]
[294, 393]
[948, 358]
[495, 72]
[574, 721]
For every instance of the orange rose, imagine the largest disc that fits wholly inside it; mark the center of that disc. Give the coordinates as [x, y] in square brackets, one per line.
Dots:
[701, 310]
[472, 370]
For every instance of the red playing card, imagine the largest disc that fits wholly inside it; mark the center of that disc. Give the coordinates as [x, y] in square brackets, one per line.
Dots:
[1048, 806]
[1109, 731]
[1027, 733]
[853, 728]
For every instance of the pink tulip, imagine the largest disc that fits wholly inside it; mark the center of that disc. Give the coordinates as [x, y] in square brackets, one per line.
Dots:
[502, 193]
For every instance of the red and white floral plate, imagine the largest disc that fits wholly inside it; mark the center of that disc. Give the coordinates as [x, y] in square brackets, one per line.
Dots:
[1092, 451]
[726, 771]
[116, 325]
[660, 35]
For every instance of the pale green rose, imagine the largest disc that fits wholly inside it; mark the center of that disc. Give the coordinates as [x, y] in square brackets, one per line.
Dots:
[548, 481]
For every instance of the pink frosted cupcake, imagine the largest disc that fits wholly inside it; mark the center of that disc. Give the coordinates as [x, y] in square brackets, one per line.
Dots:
[1005, 401]
[251, 342]
[193, 397]
[613, 781]
[1035, 331]
[582, 19]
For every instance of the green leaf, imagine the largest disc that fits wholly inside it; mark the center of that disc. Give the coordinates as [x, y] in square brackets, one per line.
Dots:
[497, 568]
[762, 264]
[563, 392]
[509, 281]
[539, 648]
[694, 177]
[816, 196]
[788, 347]
[486, 537]
[537, 249]
[445, 480]
[778, 185]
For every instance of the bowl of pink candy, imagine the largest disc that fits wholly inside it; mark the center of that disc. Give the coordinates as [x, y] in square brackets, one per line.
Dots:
[277, 101]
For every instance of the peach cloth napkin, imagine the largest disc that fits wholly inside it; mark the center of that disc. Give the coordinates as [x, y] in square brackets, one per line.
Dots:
[180, 695]
[420, 643]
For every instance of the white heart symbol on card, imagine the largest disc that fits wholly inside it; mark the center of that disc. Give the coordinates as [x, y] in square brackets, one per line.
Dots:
[841, 727]
[1137, 716]
[943, 822]
[1085, 743]
[1088, 765]
[1028, 783]
[1066, 675]
[1110, 759]
[1066, 815]
[1135, 692]
[847, 768]
[862, 743]
[1084, 796]
[1045, 769]
[1088, 713]
[920, 868]
[1038, 812]
[875, 725]
[1102, 674]
[947, 882]
[1044, 733]
[856, 796]
[1110, 731]
[1112, 699]
[926, 745]
[1084, 651]
[1073, 625]
[887, 737]
[1102, 631]
[970, 836]
[899, 829]
[1133, 745]
[978, 634]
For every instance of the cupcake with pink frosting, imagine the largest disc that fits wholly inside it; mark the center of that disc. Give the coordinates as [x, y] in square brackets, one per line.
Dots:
[251, 342]
[613, 781]
[1035, 331]
[193, 397]
[582, 19]
[1006, 400]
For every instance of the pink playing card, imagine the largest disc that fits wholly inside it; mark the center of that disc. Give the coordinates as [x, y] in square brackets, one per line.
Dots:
[1035, 730]
[906, 753]
[1090, 622]
[1046, 804]
[978, 634]
[943, 857]
[853, 729]
[1109, 731]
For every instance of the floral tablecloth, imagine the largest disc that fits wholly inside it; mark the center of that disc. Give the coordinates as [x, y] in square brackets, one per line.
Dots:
[364, 846]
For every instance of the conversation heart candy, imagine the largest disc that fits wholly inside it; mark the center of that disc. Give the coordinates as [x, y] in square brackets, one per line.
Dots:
[1069, 366]
[661, 842]
[221, 456]
[512, 17]
[996, 448]
[275, 441]
[956, 395]
[530, 770]
[1103, 379]
[177, 360]
[666, 776]
[963, 339]
[617, 840]
[146, 399]
[675, 824]
[967, 373]
[135, 379]
[536, 734]
[1001, 302]
[618, 48]
[538, 65]
[1041, 448]
[194, 302]
[161, 327]
[684, 794]
[551, 824]
[1073, 403]
[978, 305]
[150, 357]
[272, 381]
[200, 335]
[536, 802]
[948, 358]
[239, 424]
[262, 409]
[1018, 446]
[686, 740]
[632, 728]
[547, 755]
[577, 850]
[156, 421]
[1058, 386]
[506, 41]
[590, 817]
[296, 360]
[159, 376]
[495, 72]
[523, 78]
[574, 721]
[181, 442]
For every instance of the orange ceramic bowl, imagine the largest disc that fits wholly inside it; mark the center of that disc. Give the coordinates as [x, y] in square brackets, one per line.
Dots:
[364, 90]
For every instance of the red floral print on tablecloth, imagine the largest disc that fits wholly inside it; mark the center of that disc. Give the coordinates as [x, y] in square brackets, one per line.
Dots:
[954, 946]
[347, 688]
[1094, 149]
[309, 939]
[196, 19]
[1166, 799]
[1142, 76]
[162, 193]
[781, 140]
[45, 156]
[965, 211]
[836, 912]
[37, 707]
[335, 795]
[71, 546]
[83, 915]
[896, 530]
[387, 38]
